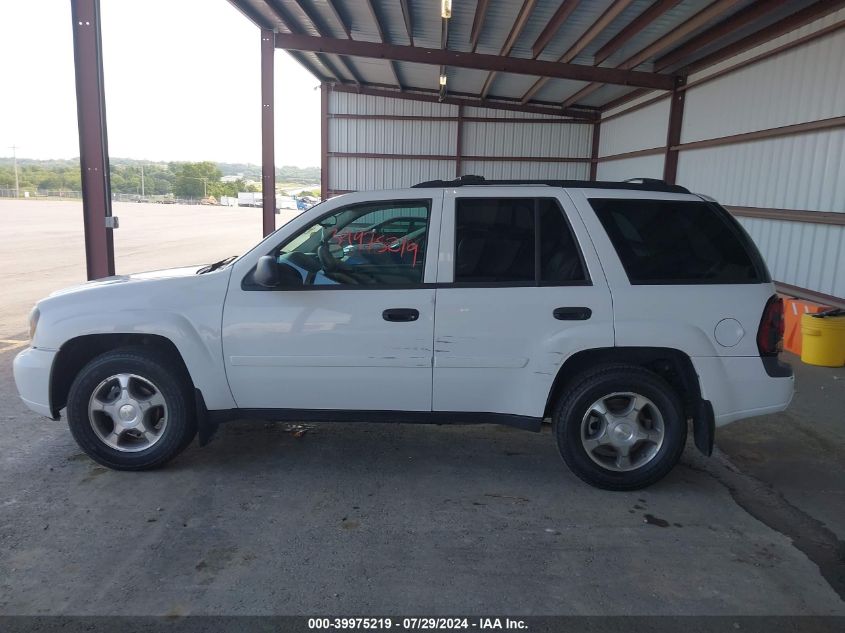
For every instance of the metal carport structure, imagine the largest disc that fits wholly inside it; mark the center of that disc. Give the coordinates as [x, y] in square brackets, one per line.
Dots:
[734, 98]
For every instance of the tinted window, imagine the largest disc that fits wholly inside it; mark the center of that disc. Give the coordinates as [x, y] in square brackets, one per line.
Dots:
[666, 241]
[363, 245]
[560, 260]
[497, 241]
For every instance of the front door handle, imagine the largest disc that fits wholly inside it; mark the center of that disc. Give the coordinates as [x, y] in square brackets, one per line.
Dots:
[400, 314]
[572, 314]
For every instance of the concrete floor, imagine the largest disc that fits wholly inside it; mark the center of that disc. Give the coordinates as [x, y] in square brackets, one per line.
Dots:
[364, 519]
[380, 519]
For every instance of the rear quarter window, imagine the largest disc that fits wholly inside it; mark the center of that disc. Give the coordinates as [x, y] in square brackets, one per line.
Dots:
[679, 242]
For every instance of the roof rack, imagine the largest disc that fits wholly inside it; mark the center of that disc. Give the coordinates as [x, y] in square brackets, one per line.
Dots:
[634, 184]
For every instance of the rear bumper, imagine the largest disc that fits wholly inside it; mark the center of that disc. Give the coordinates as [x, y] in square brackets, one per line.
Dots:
[741, 386]
[32, 377]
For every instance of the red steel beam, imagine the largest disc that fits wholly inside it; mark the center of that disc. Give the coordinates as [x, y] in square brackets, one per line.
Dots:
[516, 30]
[286, 18]
[773, 52]
[324, 140]
[470, 119]
[268, 153]
[553, 26]
[451, 157]
[454, 98]
[638, 24]
[741, 18]
[595, 29]
[339, 18]
[794, 21]
[833, 123]
[438, 57]
[323, 31]
[711, 12]
[408, 19]
[594, 154]
[459, 142]
[738, 20]
[634, 94]
[93, 138]
[673, 133]
[377, 20]
[262, 23]
[478, 22]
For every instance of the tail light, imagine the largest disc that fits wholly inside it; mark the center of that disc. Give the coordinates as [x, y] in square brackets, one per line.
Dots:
[770, 332]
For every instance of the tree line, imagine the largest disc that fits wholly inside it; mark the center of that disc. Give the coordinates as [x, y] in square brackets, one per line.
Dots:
[181, 179]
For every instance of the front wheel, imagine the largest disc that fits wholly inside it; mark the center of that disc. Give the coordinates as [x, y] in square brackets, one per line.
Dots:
[620, 427]
[130, 409]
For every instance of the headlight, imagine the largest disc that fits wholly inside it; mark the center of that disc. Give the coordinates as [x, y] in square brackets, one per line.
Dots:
[33, 322]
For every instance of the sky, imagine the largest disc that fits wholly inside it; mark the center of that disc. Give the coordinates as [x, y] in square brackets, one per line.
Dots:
[182, 82]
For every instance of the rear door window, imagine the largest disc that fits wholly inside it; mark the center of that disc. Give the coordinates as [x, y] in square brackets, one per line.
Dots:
[515, 241]
[678, 242]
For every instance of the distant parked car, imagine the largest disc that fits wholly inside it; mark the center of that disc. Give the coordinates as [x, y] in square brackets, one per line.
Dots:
[624, 312]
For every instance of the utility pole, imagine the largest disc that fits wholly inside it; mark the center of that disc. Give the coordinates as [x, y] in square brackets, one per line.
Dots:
[15, 162]
[142, 180]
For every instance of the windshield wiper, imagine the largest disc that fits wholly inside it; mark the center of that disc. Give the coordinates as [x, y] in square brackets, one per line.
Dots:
[216, 265]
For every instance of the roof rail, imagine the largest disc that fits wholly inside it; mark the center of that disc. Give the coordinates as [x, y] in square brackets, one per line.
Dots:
[635, 184]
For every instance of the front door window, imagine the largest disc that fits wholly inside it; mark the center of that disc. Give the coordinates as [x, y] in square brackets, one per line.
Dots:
[374, 244]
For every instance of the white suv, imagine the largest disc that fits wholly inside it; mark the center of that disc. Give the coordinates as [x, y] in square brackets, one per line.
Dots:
[622, 311]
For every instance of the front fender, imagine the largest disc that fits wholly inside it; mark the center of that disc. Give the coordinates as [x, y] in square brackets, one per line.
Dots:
[201, 351]
[186, 310]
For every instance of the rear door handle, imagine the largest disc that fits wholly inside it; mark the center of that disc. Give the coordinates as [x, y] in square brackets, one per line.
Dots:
[400, 314]
[572, 314]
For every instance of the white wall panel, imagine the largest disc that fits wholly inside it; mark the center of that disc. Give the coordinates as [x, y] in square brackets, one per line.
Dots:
[625, 168]
[527, 139]
[504, 170]
[805, 171]
[509, 138]
[379, 173]
[792, 36]
[642, 129]
[351, 103]
[504, 114]
[633, 102]
[385, 136]
[804, 255]
[804, 84]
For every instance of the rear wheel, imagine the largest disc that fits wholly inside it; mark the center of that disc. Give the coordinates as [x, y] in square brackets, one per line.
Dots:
[620, 427]
[130, 409]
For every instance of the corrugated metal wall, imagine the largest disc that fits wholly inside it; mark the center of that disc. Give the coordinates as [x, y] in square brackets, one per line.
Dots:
[642, 129]
[364, 153]
[804, 171]
[387, 136]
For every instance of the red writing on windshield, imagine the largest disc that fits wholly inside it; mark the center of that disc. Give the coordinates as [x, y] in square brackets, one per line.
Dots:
[378, 243]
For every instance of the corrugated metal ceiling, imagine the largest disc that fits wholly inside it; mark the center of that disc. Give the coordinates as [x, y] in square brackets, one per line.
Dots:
[383, 20]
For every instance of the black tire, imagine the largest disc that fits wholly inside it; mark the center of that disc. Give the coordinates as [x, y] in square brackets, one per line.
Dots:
[589, 387]
[174, 386]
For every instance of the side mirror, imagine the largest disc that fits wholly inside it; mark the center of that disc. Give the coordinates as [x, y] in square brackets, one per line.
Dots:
[267, 272]
[271, 274]
[289, 276]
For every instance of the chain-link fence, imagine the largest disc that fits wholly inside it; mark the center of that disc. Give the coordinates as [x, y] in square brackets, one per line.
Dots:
[27, 194]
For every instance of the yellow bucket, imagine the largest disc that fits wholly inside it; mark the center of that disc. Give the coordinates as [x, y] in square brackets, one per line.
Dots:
[823, 340]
